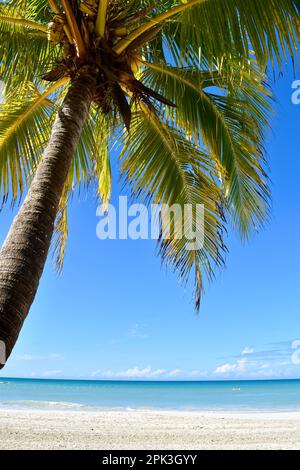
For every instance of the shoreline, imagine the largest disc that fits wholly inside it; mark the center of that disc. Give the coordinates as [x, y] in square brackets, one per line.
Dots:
[148, 429]
[54, 407]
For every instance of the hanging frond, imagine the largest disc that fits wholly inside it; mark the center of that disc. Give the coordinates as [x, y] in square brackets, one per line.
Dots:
[102, 168]
[61, 229]
[25, 125]
[91, 163]
[230, 117]
[163, 167]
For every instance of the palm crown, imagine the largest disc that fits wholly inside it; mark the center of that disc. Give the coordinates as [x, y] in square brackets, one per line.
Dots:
[181, 85]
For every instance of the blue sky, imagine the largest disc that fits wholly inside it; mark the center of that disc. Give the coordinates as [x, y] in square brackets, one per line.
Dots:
[116, 313]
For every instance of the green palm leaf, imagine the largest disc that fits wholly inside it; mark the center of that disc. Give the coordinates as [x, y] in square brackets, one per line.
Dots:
[25, 52]
[163, 167]
[217, 28]
[230, 117]
[265, 28]
[24, 131]
[90, 165]
[26, 116]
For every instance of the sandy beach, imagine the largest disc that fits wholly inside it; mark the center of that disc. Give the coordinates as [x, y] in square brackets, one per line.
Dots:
[148, 430]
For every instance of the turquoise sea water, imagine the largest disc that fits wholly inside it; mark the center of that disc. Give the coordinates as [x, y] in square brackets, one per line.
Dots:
[273, 395]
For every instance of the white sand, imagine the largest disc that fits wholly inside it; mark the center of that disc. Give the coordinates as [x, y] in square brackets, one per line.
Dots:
[148, 430]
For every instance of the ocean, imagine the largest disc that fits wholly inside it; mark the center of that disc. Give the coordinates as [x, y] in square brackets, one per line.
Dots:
[256, 396]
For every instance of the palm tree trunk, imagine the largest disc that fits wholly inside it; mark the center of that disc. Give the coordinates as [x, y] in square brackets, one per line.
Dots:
[24, 252]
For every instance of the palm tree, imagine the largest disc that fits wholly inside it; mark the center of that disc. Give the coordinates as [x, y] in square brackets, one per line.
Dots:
[179, 84]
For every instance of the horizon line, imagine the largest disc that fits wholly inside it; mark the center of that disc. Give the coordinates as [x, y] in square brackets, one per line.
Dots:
[150, 380]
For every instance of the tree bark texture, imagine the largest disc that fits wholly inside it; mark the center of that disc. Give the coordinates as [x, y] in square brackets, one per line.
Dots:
[25, 250]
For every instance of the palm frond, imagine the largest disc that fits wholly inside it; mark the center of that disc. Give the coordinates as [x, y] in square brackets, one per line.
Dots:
[163, 167]
[216, 28]
[91, 164]
[25, 124]
[229, 116]
[61, 229]
[25, 53]
[23, 22]
[36, 10]
[102, 167]
[265, 29]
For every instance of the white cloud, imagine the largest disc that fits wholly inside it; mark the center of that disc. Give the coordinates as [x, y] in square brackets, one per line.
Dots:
[239, 367]
[249, 364]
[96, 373]
[147, 373]
[224, 368]
[51, 373]
[31, 357]
[247, 350]
[253, 369]
[175, 373]
[134, 372]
